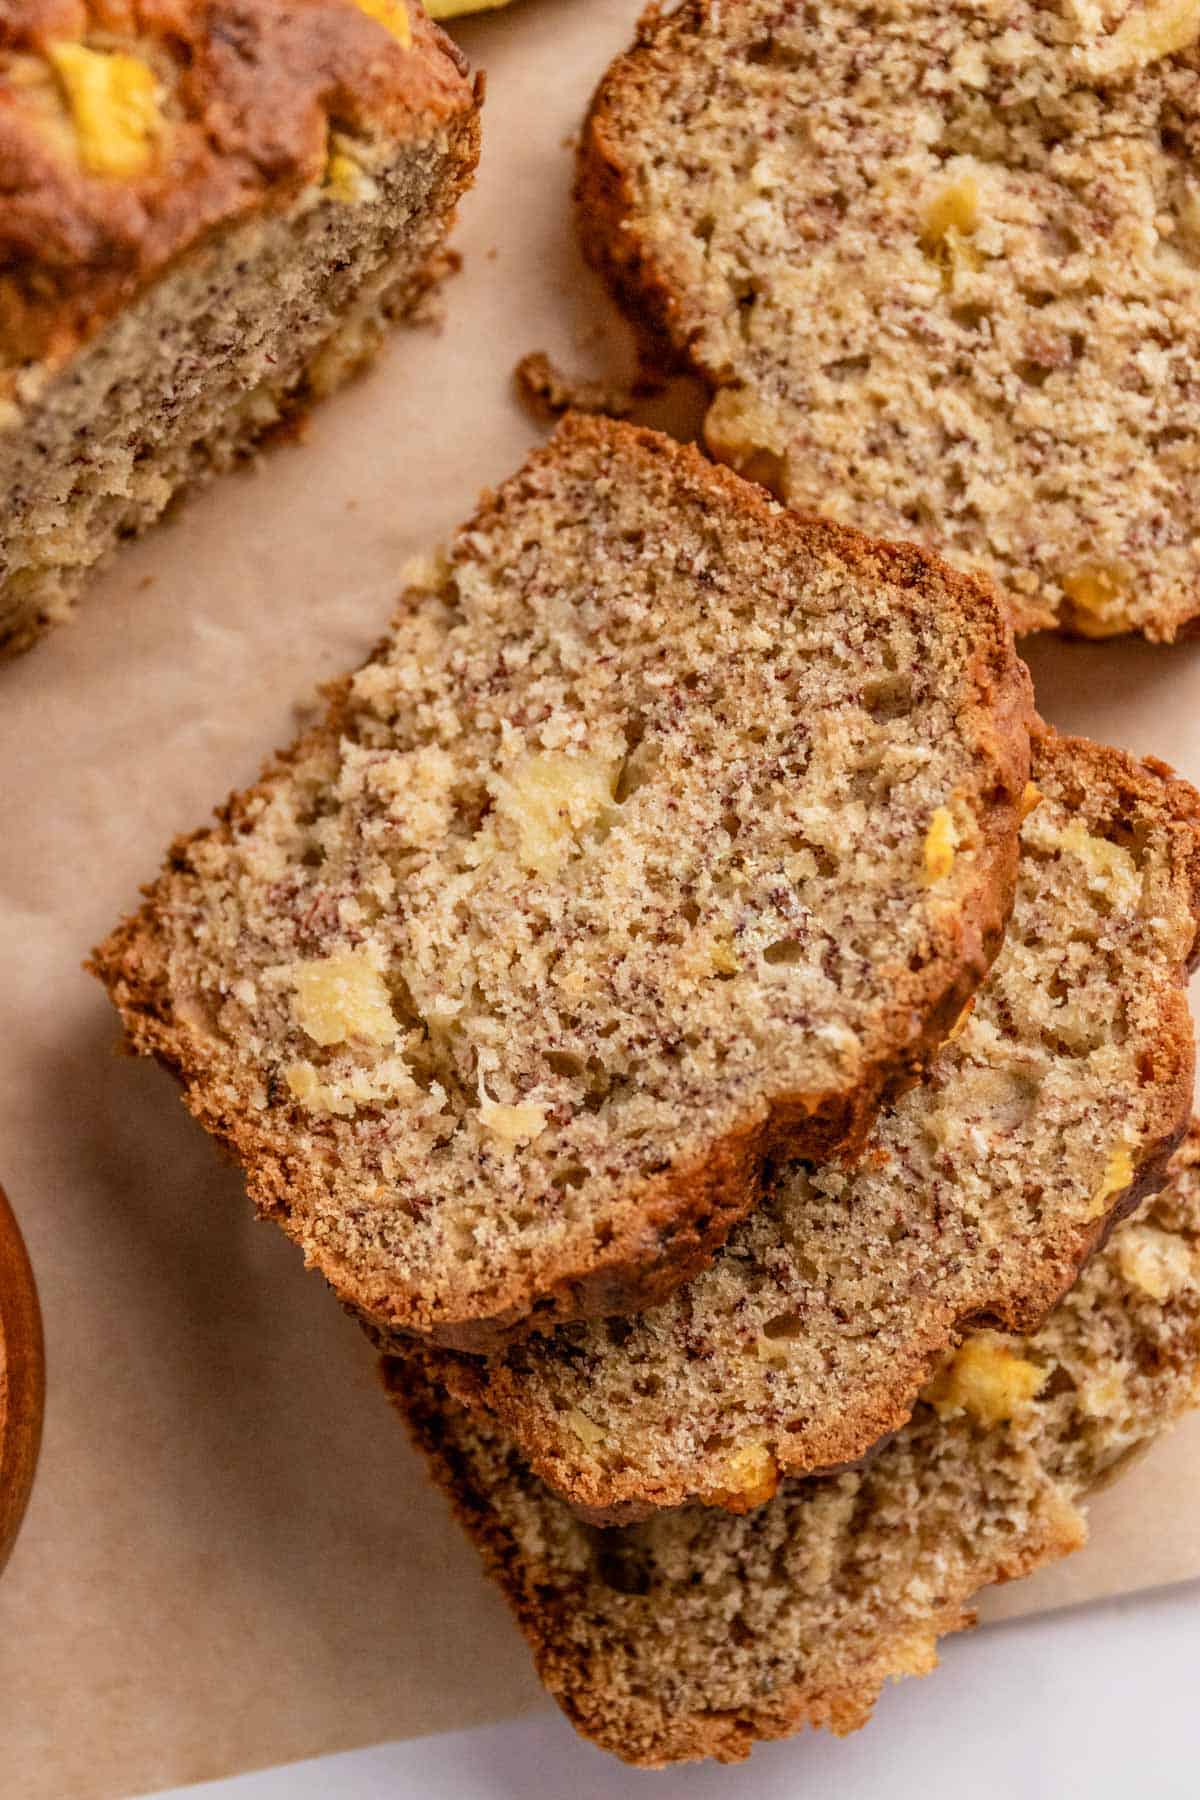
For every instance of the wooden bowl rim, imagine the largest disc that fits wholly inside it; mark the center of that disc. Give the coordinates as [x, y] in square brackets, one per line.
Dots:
[22, 1378]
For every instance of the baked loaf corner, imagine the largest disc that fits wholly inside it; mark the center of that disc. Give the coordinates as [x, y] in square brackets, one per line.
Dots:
[700, 1633]
[665, 831]
[208, 215]
[1053, 1111]
[940, 271]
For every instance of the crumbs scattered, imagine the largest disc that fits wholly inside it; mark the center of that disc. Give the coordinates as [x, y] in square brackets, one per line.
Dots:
[548, 393]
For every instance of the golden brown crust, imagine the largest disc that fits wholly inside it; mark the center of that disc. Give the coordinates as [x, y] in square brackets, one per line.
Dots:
[255, 87]
[1118, 790]
[606, 205]
[668, 1225]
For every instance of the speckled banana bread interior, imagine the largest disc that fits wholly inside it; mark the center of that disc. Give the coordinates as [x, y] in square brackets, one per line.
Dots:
[698, 1632]
[940, 262]
[979, 1194]
[664, 830]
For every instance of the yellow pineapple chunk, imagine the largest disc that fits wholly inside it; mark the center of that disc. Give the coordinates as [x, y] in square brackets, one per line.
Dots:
[737, 430]
[1097, 600]
[585, 1429]
[345, 181]
[384, 1083]
[723, 956]
[1110, 867]
[986, 1379]
[1157, 28]
[453, 9]
[1118, 1173]
[392, 15]
[341, 997]
[954, 208]
[915, 1654]
[513, 1124]
[114, 108]
[551, 798]
[941, 842]
[1154, 1261]
[749, 1478]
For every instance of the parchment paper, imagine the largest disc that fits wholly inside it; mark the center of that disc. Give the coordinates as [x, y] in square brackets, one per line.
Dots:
[232, 1559]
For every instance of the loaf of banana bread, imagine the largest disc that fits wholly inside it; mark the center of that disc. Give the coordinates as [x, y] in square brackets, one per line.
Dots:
[207, 213]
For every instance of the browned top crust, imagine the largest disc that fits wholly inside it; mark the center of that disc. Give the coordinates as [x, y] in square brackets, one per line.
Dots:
[249, 92]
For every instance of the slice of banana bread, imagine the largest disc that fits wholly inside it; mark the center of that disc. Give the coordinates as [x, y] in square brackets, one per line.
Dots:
[941, 265]
[206, 215]
[698, 1633]
[664, 831]
[1054, 1109]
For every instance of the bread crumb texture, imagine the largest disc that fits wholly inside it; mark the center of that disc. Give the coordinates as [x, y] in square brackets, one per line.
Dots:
[1054, 1105]
[697, 1633]
[941, 265]
[208, 214]
[607, 875]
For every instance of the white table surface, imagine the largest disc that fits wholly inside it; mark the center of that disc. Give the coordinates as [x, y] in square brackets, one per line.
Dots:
[1102, 1702]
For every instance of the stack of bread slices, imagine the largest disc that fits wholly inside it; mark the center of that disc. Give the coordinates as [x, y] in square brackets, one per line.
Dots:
[716, 1040]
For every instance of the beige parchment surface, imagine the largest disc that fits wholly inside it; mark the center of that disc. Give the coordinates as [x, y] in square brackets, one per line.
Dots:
[231, 1558]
